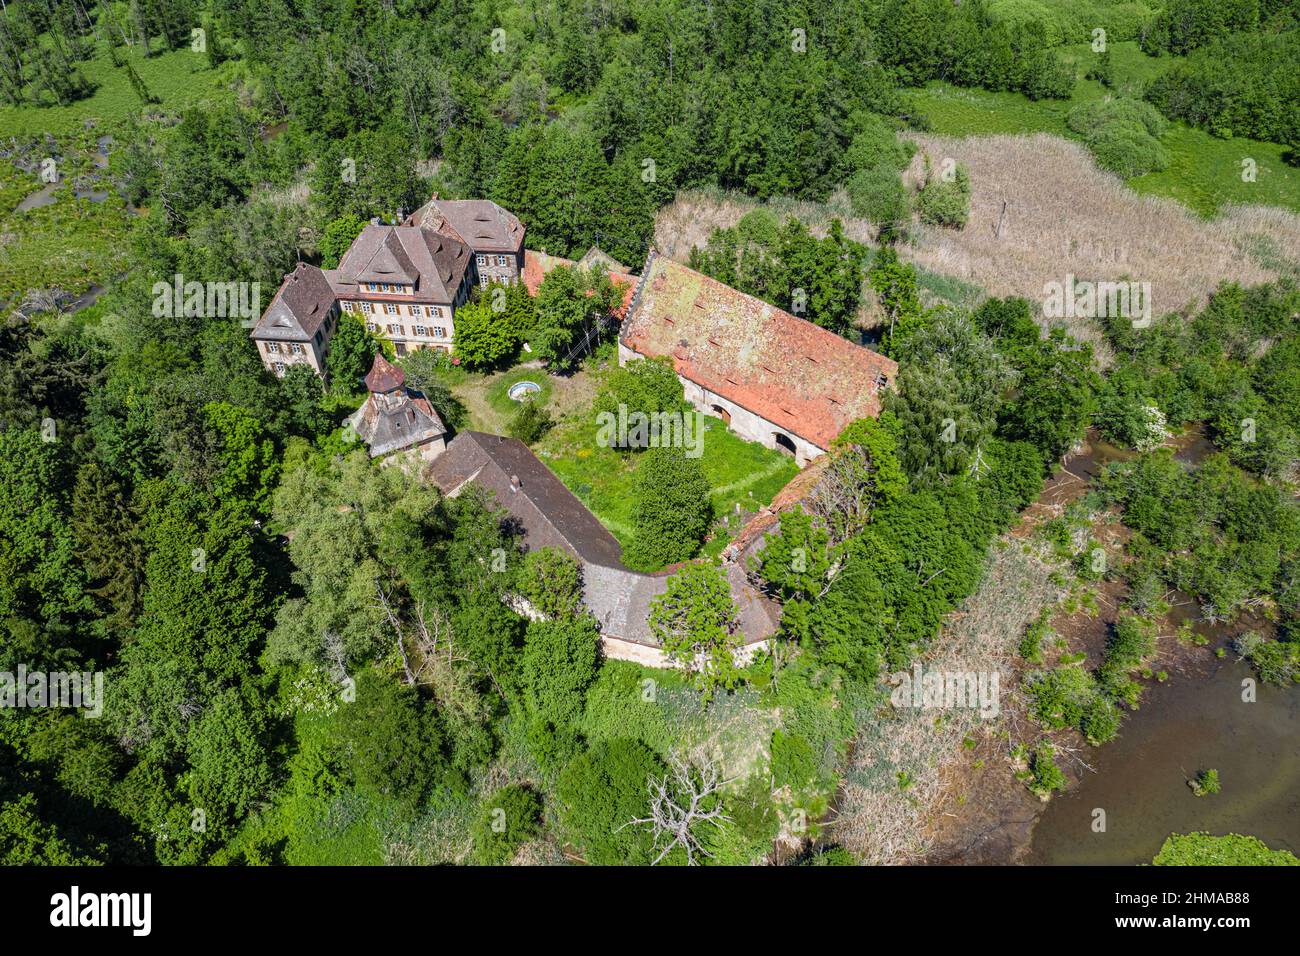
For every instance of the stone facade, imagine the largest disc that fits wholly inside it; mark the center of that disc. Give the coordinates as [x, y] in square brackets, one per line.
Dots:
[404, 282]
[739, 419]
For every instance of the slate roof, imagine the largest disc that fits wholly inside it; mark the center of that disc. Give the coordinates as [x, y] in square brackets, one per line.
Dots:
[551, 516]
[795, 374]
[435, 263]
[383, 375]
[298, 307]
[538, 264]
[410, 422]
[479, 223]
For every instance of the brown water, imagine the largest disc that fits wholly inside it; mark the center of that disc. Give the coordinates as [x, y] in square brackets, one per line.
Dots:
[1188, 724]
[1197, 720]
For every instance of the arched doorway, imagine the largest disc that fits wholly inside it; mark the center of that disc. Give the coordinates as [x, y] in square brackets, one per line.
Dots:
[721, 413]
[785, 443]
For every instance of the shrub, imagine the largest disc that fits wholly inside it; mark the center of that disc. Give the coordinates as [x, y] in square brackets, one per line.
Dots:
[603, 790]
[1232, 849]
[507, 819]
[672, 509]
[1205, 783]
[1046, 775]
[530, 422]
[1123, 135]
[944, 200]
[551, 581]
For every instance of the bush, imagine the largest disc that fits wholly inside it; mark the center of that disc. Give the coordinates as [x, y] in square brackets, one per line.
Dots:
[672, 509]
[1046, 775]
[1123, 135]
[507, 819]
[551, 581]
[1232, 849]
[1205, 783]
[878, 194]
[944, 200]
[530, 422]
[603, 790]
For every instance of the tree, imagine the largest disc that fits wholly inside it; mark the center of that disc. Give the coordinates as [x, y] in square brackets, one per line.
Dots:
[559, 664]
[695, 623]
[230, 757]
[817, 279]
[551, 581]
[250, 466]
[424, 369]
[681, 802]
[485, 336]
[109, 546]
[1057, 395]
[894, 283]
[303, 393]
[339, 235]
[647, 386]
[671, 510]
[601, 791]
[352, 352]
[568, 299]
[394, 743]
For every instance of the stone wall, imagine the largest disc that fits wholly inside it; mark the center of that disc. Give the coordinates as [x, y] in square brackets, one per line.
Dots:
[739, 419]
[620, 650]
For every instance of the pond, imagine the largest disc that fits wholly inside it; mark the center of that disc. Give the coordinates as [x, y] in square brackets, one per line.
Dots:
[1196, 721]
[1189, 724]
[523, 390]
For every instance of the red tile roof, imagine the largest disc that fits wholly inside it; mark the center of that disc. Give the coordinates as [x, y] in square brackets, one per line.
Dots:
[793, 373]
[538, 264]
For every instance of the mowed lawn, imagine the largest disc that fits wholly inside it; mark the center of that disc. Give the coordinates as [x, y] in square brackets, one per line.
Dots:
[739, 472]
[1204, 173]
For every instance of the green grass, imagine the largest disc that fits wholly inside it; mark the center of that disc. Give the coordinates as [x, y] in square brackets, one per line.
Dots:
[497, 393]
[1205, 172]
[177, 78]
[738, 471]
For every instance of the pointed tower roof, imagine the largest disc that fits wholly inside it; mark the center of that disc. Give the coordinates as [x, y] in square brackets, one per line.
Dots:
[384, 376]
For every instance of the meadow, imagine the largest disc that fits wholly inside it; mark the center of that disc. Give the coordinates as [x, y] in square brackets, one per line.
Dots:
[175, 78]
[1204, 173]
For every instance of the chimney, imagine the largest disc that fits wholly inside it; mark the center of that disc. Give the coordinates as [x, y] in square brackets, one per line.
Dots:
[514, 483]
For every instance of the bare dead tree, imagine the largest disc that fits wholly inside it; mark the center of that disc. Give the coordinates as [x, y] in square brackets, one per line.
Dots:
[684, 798]
[385, 604]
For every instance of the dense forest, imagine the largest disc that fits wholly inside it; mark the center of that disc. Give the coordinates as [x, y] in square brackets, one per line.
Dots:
[310, 659]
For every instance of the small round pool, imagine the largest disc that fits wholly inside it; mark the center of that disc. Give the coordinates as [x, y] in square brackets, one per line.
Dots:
[522, 390]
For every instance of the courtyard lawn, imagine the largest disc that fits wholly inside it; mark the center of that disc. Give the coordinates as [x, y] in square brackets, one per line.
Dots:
[739, 473]
[1205, 172]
